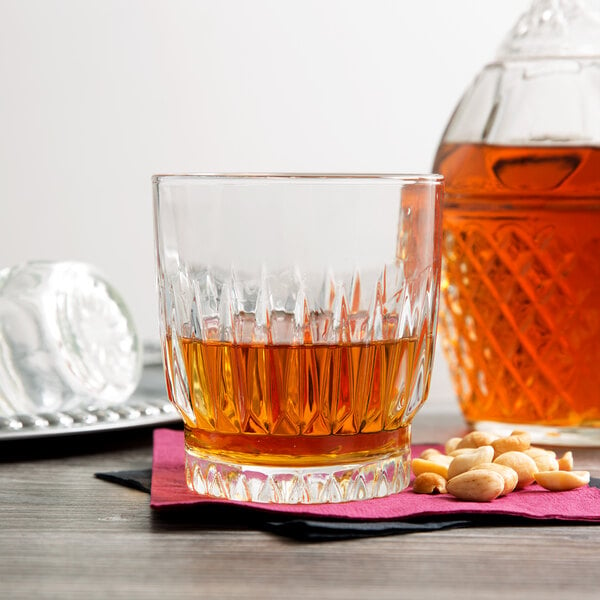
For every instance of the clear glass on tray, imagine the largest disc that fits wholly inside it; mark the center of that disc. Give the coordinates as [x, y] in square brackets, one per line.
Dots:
[66, 339]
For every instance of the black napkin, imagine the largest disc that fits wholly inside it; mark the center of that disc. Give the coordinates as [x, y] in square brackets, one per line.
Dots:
[317, 530]
[140, 479]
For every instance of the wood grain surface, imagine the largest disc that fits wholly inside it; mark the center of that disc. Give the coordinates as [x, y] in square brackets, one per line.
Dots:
[66, 534]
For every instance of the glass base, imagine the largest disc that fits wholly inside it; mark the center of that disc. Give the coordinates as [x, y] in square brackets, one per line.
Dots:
[545, 435]
[302, 485]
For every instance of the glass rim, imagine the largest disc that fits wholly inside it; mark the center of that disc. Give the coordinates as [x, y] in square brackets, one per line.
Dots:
[407, 178]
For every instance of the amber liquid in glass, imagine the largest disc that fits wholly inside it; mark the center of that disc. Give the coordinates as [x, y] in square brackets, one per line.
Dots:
[521, 282]
[298, 405]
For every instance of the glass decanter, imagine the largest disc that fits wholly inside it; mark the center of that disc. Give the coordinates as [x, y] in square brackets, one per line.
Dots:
[521, 284]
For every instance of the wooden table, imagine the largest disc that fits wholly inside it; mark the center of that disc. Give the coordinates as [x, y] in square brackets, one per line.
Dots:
[65, 534]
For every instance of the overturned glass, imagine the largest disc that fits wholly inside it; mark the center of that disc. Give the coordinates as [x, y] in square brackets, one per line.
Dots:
[67, 339]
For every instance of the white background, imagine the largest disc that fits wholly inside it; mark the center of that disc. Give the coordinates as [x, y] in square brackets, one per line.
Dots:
[98, 95]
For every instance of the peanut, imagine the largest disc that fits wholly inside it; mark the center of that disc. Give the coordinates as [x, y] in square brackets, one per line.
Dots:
[516, 441]
[509, 475]
[545, 462]
[560, 481]
[421, 465]
[451, 444]
[429, 483]
[479, 485]
[474, 439]
[519, 461]
[460, 451]
[428, 453]
[565, 462]
[464, 462]
[441, 459]
[534, 451]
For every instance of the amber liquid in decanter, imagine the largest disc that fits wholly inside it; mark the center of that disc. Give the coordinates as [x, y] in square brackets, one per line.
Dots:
[521, 281]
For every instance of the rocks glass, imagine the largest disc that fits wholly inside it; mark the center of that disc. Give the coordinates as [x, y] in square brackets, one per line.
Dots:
[298, 319]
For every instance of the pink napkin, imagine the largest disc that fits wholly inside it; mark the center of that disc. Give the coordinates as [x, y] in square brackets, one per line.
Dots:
[169, 490]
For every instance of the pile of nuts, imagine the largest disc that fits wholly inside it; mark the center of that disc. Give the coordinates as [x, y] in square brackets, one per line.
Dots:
[482, 466]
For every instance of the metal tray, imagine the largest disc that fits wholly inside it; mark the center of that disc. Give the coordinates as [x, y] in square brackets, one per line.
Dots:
[147, 406]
